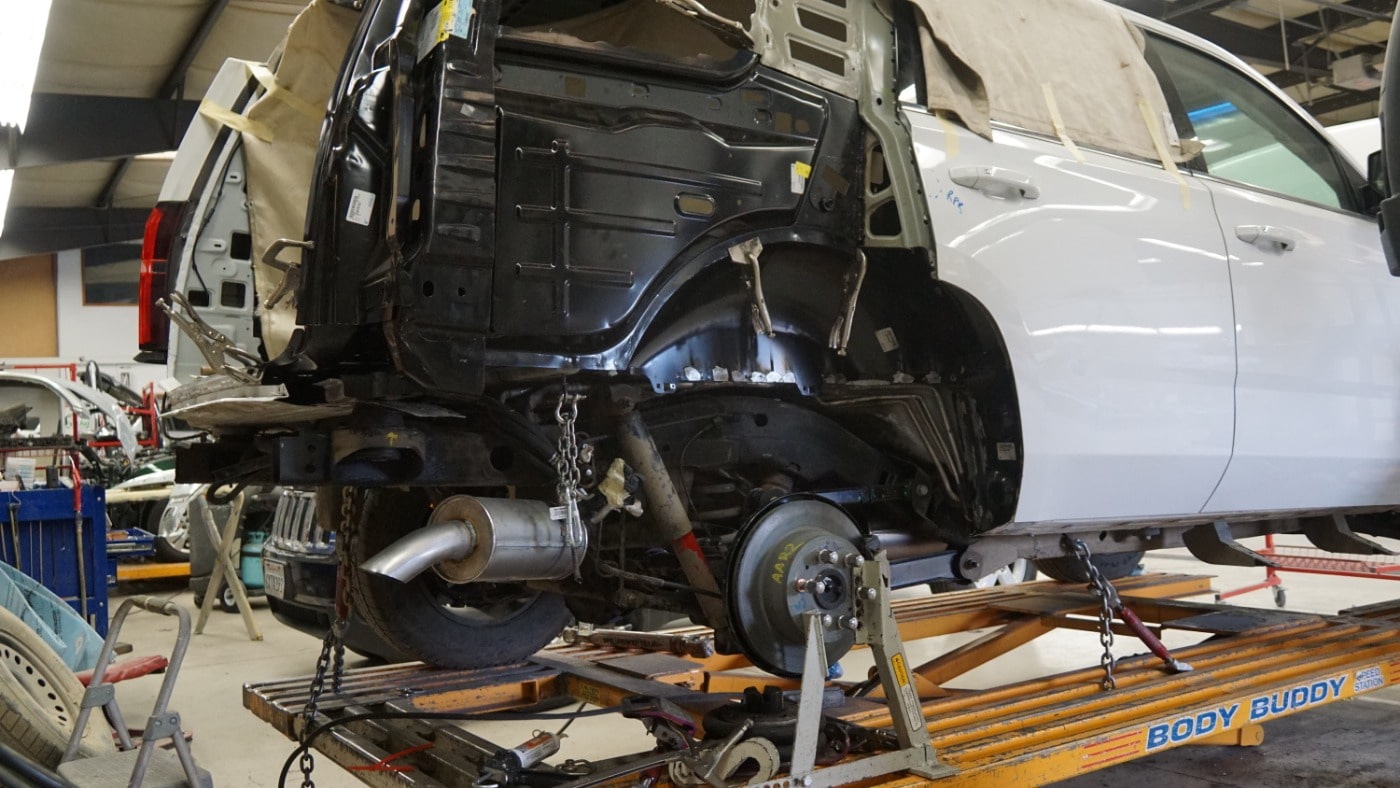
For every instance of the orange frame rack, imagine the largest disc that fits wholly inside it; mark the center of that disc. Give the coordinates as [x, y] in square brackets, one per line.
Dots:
[1255, 666]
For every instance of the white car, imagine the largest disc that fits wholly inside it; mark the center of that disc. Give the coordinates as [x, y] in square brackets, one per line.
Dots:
[638, 308]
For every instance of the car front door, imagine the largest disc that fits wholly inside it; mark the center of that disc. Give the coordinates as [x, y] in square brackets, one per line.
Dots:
[1108, 280]
[1317, 313]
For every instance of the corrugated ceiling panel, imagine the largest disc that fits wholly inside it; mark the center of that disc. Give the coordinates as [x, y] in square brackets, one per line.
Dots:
[247, 29]
[61, 185]
[114, 48]
[1265, 13]
[140, 186]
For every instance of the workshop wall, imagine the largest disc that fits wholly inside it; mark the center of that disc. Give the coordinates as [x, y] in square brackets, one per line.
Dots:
[105, 334]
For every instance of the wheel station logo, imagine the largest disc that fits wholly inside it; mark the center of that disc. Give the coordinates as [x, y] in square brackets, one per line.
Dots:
[1259, 708]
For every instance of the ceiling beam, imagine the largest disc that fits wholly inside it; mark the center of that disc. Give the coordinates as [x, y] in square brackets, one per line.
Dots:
[1259, 46]
[65, 127]
[1341, 101]
[42, 230]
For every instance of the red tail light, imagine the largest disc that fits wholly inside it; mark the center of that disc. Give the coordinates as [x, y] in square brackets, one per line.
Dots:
[154, 326]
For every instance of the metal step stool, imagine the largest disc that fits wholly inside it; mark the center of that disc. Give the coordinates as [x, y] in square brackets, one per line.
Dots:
[144, 765]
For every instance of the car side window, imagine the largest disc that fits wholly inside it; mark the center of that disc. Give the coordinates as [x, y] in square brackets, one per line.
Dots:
[1248, 135]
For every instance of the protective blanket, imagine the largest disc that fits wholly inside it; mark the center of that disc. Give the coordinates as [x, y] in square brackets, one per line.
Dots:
[279, 165]
[1064, 68]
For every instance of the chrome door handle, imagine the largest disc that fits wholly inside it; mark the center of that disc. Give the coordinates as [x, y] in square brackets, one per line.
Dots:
[1267, 236]
[995, 181]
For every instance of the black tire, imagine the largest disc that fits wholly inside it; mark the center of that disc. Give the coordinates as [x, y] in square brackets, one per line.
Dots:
[464, 626]
[1067, 569]
[40, 698]
[166, 550]
[227, 601]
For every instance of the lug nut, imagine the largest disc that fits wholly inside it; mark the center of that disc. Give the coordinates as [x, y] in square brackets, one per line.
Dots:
[826, 619]
[850, 622]
[869, 592]
[828, 556]
[810, 585]
[855, 560]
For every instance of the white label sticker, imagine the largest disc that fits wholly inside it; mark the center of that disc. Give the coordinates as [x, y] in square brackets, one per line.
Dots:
[428, 32]
[558, 512]
[888, 341]
[361, 207]
[1006, 452]
[801, 171]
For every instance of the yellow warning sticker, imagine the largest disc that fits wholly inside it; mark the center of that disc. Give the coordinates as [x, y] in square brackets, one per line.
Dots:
[901, 672]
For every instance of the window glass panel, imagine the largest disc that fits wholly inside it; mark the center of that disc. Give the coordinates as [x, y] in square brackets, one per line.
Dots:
[1249, 135]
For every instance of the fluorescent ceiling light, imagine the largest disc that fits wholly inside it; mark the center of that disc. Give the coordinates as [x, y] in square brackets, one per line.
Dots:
[21, 41]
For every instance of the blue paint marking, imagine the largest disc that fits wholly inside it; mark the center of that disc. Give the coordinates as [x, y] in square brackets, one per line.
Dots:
[1212, 111]
[955, 200]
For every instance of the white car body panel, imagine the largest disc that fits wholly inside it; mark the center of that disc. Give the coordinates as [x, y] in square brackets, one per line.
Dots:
[228, 84]
[1113, 297]
[1319, 359]
[1123, 309]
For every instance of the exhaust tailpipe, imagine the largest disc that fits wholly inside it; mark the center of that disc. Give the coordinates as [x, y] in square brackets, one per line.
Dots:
[491, 540]
[414, 554]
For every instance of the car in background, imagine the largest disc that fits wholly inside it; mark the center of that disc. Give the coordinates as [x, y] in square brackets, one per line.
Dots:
[299, 577]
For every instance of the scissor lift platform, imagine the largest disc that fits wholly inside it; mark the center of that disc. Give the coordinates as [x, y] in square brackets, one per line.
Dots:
[1254, 666]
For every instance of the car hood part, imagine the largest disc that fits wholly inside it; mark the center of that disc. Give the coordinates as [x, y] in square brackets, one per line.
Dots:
[87, 402]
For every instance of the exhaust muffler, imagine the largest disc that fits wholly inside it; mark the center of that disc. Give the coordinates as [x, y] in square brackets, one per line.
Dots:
[485, 540]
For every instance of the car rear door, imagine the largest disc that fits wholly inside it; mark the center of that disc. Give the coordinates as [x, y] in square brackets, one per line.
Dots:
[1108, 280]
[1317, 313]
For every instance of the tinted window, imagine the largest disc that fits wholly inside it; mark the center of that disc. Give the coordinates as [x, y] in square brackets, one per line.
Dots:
[1249, 135]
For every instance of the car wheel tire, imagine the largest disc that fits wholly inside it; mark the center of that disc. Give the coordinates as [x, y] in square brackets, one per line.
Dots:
[227, 601]
[40, 698]
[1019, 571]
[464, 626]
[173, 541]
[1113, 566]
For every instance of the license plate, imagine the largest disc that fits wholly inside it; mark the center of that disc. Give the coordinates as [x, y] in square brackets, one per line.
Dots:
[275, 578]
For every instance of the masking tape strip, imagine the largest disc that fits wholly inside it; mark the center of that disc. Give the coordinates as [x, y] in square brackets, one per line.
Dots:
[950, 137]
[268, 80]
[233, 120]
[1058, 122]
[1160, 143]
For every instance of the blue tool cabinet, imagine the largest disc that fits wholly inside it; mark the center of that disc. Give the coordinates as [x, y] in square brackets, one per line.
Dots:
[47, 548]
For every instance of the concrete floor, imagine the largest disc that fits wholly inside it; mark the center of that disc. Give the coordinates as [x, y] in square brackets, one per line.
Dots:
[1344, 744]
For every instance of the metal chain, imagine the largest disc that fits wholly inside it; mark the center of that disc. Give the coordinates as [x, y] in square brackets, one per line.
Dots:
[566, 458]
[1108, 602]
[332, 657]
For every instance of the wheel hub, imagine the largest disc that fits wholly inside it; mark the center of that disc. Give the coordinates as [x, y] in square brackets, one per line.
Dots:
[789, 562]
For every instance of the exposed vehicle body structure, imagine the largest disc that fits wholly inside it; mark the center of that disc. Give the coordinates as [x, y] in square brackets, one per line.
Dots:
[671, 305]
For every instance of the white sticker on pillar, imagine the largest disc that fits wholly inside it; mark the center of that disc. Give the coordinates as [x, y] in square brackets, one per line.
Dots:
[801, 173]
[887, 339]
[361, 207]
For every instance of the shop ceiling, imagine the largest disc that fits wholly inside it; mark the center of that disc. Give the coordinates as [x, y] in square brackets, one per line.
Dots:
[119, 80]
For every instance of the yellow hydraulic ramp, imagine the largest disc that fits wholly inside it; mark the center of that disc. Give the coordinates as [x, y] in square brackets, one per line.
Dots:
[1255, 666]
